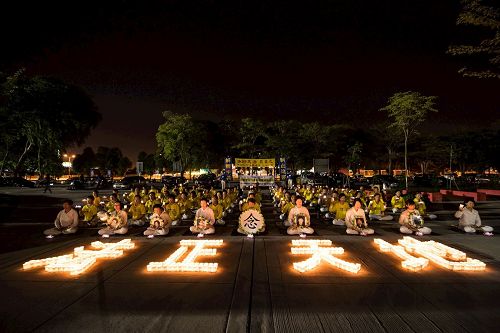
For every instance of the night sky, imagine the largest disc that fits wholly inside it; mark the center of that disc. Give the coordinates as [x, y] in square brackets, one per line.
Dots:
[330, 61]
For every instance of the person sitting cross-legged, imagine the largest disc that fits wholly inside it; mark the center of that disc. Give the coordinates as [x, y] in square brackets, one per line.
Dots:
[159, 222]
[218, 211]
[397, 202]
[66, 221]
[89, 212]
[376, 209]
[172, 209]
[137, 211]
[116, 223]
[355, 220]
[204, 219]
[469, 220]
[412, 222]
[299, 219]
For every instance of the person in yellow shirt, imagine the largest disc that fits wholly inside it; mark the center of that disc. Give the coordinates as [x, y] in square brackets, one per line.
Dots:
[195, 201]
[287, 206]
[397, 202]
[340, 209]
[137, 212]
[97, 199]
[151, 202]
[278, 195]
[218, 211]
[110, 205]
[421, 207]
[376, 209]
[172, 209]
[331, 206]
[187, 206]
[245, 207]
[89, 212]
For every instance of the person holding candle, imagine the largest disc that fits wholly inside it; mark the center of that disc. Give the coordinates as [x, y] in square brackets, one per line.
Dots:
[339, 209]
[66, 221]
[397, 202]
[172, 209]
[89, 212]
[137, 211]
[469, 220]
[376, 209]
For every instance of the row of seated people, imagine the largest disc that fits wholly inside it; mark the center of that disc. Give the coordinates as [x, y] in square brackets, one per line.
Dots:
[335, 202]
[353, 216]
[179, 206]
[117, 216]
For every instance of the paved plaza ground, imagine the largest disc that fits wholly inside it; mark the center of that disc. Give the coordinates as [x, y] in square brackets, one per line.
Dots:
[255, 288]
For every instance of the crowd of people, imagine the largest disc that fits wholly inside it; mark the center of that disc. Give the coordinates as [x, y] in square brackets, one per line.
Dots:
[158, 210]
[350, 208]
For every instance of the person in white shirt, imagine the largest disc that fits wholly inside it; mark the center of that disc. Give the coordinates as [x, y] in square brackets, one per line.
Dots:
[116, 223]
[355, 220]
[208, 214]
[66, 221]
[412, 222]
[159, 222]
[469, 220]
[299, 219]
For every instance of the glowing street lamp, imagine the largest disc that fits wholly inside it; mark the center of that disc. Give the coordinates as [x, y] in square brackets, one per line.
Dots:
[68, 164]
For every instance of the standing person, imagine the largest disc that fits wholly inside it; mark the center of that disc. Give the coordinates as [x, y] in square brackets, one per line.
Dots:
[469, 220]
[66, 221]
[47, 184]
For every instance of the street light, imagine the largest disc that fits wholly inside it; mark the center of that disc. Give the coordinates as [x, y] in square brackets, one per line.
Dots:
[69, 162]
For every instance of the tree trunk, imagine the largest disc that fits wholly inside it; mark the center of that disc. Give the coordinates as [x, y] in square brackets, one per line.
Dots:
[27, 147]
[4, 159]
[389, 152]
[406, 160]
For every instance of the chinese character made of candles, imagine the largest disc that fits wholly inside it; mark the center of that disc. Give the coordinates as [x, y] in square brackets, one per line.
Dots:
[171, 264]
[320, 250]
[430, 251]
[80, 260]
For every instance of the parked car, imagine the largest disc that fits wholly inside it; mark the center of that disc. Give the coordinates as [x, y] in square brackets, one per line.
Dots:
[128, 182]
[385, 181]
[207, 180]
[171, 181]
[77, 183]
[427, 180]
[17, 182]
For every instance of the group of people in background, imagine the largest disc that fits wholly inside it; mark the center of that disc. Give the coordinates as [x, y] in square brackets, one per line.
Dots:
[161, 209]
[158, 209]
[350, 208]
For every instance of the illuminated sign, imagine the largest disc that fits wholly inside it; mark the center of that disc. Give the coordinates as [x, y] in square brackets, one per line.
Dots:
[172, 263]
[431, 251]
[81, 260]
[320, 250]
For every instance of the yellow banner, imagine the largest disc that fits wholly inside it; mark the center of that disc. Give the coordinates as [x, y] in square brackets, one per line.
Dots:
[254, 162]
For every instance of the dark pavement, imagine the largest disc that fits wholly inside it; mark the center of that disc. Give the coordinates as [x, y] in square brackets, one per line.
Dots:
[255, 289]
